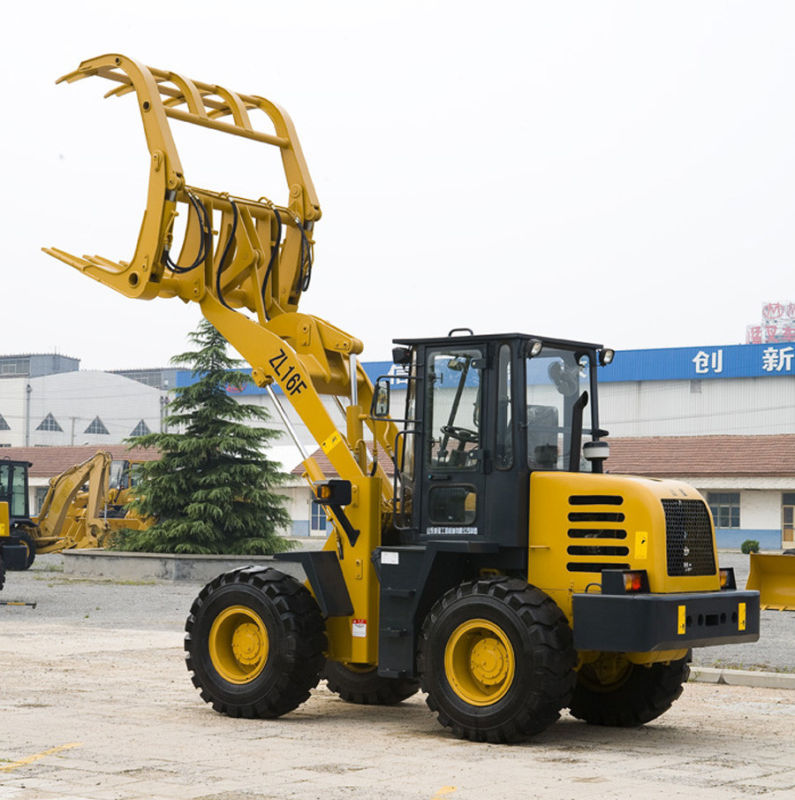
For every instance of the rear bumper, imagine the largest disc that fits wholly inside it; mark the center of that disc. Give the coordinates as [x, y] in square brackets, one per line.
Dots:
[643, 623]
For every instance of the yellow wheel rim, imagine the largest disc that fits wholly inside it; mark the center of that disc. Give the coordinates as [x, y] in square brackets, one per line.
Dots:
[238, 644]
[607, 673]
[479, 662]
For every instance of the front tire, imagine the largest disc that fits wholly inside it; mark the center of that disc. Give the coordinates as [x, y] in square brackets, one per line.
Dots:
[613, 691]
[254, 641]
[365, 686]
[497, 661]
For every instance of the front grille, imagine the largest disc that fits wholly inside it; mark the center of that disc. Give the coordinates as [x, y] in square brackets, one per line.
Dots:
[688, 535]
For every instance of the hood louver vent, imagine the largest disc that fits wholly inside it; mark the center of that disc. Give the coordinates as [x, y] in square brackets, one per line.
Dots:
[590, 509]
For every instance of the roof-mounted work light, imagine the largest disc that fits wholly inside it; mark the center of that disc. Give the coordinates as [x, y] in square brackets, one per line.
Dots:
[606, 356]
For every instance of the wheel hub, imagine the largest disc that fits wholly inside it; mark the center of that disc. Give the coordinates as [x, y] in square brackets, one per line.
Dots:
[238, 644]
[489, 661]
[247, 643]
[479, 662]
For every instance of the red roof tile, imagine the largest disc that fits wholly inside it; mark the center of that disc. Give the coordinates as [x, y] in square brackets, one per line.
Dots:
[719, 456]
[51, 461]
[325, 465]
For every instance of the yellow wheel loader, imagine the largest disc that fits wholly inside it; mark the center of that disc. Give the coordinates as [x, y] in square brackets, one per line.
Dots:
[500, 569]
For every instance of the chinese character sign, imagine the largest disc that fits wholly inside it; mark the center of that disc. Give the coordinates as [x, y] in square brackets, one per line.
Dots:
[708, 363]
[777, 359]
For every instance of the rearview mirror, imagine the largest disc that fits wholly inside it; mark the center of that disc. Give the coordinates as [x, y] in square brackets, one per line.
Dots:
[380, 405]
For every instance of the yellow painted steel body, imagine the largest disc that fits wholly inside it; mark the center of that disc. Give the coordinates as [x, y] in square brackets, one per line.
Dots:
[553, 567]
[773, 576]
[5, 524]
[238, 644]
[248, 280]
[479, 662]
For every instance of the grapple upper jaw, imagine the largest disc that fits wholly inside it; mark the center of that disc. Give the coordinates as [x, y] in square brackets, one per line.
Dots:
[259, 256]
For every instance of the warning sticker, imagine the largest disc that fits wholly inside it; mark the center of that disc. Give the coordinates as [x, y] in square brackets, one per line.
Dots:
[359, 629]
[329, 444]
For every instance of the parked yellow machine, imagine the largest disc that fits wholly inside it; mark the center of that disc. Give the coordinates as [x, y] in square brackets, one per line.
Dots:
[83, 505]
[502, 570]
[773, 576]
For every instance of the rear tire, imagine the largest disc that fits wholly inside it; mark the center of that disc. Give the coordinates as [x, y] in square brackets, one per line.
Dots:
[366, 687]
[613, 691]
[27, 539]
[2, 573]
[497, 661]
[255, 640]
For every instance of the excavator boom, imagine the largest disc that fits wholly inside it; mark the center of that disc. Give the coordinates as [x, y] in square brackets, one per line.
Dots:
[60, 523]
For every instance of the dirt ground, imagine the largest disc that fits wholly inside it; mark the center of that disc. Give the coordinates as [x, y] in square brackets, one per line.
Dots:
[96, 703]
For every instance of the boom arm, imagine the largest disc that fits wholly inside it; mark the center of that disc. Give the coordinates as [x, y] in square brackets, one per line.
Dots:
[258, 257]
[64, 488]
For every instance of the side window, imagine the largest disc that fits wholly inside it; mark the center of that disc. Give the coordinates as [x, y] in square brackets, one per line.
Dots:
[504, 445]
[5, 489]
[552, 394]
[18, 498]
[725, 508]
[453, 381]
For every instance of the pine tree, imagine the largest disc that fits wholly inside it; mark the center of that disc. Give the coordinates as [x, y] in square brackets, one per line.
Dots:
[212, 491]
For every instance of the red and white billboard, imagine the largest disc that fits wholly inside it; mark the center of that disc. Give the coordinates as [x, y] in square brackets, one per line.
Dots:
[778, 325]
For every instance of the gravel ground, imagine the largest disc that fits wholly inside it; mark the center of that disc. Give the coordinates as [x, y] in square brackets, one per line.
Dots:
[97, 705]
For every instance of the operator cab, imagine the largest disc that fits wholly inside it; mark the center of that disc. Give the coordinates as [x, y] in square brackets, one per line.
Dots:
[483, 413]
[14, 489]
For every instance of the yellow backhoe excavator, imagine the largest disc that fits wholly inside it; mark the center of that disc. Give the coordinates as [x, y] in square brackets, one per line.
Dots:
[82, 506]
[502, 570]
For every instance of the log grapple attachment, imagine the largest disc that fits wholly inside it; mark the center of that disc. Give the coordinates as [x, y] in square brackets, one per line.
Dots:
[255, 254]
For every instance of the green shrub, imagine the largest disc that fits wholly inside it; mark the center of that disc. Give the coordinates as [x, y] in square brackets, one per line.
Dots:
[750, 546]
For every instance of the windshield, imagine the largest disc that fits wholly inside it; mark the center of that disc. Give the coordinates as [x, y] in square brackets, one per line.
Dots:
[555, 396]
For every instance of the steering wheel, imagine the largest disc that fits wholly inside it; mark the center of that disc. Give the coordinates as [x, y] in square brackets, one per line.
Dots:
[464, 435]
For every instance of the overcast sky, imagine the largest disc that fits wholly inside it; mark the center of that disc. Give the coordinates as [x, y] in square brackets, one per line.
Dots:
[616, 172]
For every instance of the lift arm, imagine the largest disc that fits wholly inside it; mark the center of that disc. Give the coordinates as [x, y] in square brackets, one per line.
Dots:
[246, 263]
[237, 254]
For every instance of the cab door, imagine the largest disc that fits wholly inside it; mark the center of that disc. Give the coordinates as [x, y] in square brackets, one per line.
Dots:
[453, 462]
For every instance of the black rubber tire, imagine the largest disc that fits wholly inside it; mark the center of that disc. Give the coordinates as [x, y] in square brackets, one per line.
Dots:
[544, 657]
[367, 687]
[26, 538]
[2, 573]
[296, 640]
[639, 695]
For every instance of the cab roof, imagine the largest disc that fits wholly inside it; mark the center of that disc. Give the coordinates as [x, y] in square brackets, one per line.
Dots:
[566, 344]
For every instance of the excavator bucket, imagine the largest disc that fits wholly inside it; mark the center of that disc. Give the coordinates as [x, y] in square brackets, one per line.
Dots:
[773, 576]
[259, 256]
